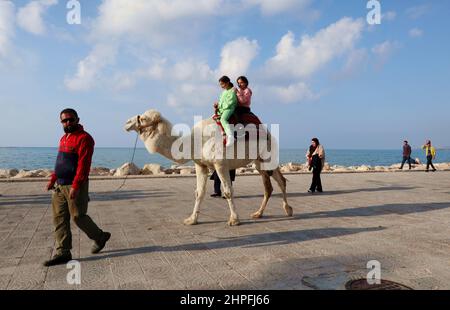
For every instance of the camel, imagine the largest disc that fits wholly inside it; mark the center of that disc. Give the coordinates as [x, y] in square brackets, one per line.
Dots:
[156, 133]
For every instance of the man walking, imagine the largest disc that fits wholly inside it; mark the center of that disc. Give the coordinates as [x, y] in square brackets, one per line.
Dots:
[70, 183]
[406, 154]
[430, 153]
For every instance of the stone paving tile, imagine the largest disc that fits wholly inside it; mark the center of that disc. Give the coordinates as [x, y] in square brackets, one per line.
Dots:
[28, 276]
[96, 275]
[126, 272]
[399, 219]
[14, 247]
[164, 279]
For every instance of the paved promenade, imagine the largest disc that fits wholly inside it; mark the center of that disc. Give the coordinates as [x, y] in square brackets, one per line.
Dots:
[400, 219]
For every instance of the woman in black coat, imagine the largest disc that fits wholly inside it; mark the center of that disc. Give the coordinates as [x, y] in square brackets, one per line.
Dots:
[316, 159]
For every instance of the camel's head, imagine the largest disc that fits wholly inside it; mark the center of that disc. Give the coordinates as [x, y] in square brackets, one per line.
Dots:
[148, 121]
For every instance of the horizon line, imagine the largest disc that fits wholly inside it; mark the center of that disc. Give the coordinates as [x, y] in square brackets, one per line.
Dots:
[281, 148]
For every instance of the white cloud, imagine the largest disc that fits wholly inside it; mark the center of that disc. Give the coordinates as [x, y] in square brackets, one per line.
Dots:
[173, 74]
[389, 16]
[237, 56]
[156, 21]
[89, 69]
[384, 50]
[312, 53]
[123, 81]
[30, 17]
[415, 33]
[155, 25]
[156, 70]
[190, 94]
[293, 93]
[6, 27]
[294, 63]
[151, 28]
[151, 24]
[355, 62]
[195, 83]
[191, 70]
[416, 12]
[272, 7]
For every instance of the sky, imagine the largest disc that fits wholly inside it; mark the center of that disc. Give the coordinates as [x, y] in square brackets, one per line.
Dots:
[316, 67]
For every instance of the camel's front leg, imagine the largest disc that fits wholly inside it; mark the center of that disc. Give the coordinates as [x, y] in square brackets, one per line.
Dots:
[202, 177]
[224, 175]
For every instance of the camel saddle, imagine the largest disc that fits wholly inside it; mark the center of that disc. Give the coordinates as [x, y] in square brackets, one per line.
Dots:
[244, 119]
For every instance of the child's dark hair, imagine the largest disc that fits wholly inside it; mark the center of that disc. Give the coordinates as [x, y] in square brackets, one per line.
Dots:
[315, 140]
[244, 79]
[225, 79]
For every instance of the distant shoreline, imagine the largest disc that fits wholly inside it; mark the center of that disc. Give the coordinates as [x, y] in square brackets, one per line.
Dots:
[284, 148]
[30, 158]
[156, 170]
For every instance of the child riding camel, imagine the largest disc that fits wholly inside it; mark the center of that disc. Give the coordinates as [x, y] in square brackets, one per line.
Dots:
[226, 106]
[244, 96]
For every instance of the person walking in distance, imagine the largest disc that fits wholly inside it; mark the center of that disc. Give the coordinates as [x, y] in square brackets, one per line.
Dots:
[406, 155]
[316, 157]
[430, 153]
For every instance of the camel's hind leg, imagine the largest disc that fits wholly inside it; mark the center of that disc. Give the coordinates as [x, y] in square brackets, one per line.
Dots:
[281, 180]
[268, 189]
[224, 175]
[202, 177]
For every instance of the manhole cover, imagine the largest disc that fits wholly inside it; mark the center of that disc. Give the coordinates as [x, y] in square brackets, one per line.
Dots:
[361, 284]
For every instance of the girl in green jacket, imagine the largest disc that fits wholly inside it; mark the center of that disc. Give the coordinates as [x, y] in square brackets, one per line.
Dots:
[226, 106]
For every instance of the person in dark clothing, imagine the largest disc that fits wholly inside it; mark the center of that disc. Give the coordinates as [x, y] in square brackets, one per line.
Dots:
[316, 157]
[309, 157]
[218, 183]
[406, 155]
[70, 185]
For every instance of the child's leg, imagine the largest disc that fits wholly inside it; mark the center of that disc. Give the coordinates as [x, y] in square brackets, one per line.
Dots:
[224, 120]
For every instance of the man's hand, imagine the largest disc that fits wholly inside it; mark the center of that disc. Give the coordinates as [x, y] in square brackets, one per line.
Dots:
[74, 193]
[50, 185]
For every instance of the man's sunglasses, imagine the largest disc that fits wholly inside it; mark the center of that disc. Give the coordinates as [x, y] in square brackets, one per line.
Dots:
[68, 120]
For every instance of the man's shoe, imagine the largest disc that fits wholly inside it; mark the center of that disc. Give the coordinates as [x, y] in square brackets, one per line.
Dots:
[99, 245]
[310, 191]
[215, 195]
[58, 259]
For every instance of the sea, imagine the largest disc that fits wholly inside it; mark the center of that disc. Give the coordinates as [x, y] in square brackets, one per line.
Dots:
[32, 158]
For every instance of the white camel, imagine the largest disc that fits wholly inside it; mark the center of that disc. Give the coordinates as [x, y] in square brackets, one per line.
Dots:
[156, 133]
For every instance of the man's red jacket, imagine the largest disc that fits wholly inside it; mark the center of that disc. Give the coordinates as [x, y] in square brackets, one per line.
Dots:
[73, 163]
